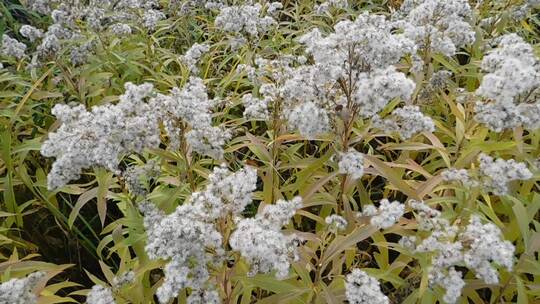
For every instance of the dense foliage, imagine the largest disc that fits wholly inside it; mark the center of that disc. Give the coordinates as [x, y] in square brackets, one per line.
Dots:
[188, 151]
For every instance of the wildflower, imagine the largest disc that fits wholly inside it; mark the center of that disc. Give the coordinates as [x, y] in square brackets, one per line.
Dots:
[243, 19]
[100, 295]
[336, 222]
[11, 47]
[185, 236]
[19, 291]
[458, 175]
[151, 18]
[406, 121]
[120, 29]
[100, 137]
[255, 108]
[386, 215]
[260, 241]
[360, 288]
[443, 24]
[192, 56]
[352, 163]
[374, 90]
[496, 174]
[512, 74]
[309, 120]
[30, 32]
[192, 105]
[477, 246]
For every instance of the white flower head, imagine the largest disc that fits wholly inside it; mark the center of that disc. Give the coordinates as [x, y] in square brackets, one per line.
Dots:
[386, 215]
[360, 288]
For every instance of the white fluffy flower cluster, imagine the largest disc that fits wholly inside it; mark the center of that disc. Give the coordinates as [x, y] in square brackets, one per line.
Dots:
[309, 119]
[336, 222]
[495, 174]
[184, 236]
[181, 237]
[365, 44]
[192, 105]
[458, 175]
[406, 121]
[151, 18]
[107, 133]
[386, 215]
[353, 67]
[351, 163]
[360, 288]
[440, 25]
[376, 89]
[19, 291]
[261, 242]
[255, 108]
[12, 47]
[513, 74]
[476, 246]
[233, 189]
[102, 136]
[100, 295]
[192, 56]
[30, 32]
[244, 19]
[70, 18]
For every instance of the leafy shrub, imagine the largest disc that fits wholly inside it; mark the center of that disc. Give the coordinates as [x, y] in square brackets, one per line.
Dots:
[269, 152]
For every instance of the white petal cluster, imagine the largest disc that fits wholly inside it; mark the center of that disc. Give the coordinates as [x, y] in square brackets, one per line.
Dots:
[360, 288]
[386, 215]
[192, 105]
[30, 32]
[192, 56]
[184, 236]
[406, 121]
[495, 174]
[255, 108]
[336, 222]
[459, 175]
[309, 119]
[102, 136]
[261, 242]
[19, 291]
[120, 29]
[513, 74]
[374, 90]
[12, 47]
[440, 25]
[477, 246]
[233, 188]
[485, 247]
[151, 18]
[365, 44]
[244, 19]
[351, 163]
[100, 295]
